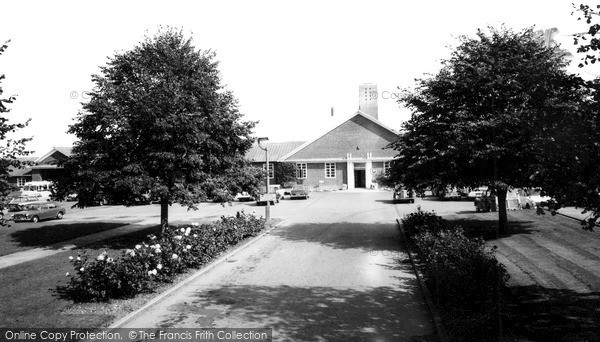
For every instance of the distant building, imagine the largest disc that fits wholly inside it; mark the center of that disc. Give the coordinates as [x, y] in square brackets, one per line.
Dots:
[348, 156]
[40, 168]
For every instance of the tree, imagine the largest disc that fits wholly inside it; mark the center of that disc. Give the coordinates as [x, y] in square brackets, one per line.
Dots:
[285, 173]
[587, 42]
[11, 149]
[479, 120]
[159, 124]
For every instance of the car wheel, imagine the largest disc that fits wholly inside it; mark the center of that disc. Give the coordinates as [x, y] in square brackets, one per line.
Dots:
[59, 215]
[412, 201]
[35, 219]
[527, 206]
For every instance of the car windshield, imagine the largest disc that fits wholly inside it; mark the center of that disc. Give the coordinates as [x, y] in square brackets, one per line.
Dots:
[15, 207]
[298, 187]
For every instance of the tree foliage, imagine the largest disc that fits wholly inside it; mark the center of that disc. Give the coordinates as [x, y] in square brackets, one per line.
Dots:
[285, 173]
[10, 149]
[158, 123]
[587, 42]
[480, 119]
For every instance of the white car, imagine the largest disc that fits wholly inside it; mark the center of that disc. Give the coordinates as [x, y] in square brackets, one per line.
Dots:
[533, 199]
[474, 194]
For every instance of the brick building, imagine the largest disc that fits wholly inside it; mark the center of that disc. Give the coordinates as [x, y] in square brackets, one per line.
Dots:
[347, 156]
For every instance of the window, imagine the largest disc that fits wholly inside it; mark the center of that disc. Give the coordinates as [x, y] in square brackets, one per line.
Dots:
[301, 170]
[21, 181]
[329, 170]
[386, 167]
[271, 170]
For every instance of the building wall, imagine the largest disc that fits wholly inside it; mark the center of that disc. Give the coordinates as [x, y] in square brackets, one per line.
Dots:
[315, 176]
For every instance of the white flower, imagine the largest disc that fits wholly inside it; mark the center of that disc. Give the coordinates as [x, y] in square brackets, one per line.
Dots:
[195, 235]
[78, 259]
[182, 230]
[188, 246]
[187, 231]
[195, 224]
[157, 251]
[138, 246]
[66, 275]
[153, 272]
[132, 253]
[109, 260]
[179, 237]
[81, 269]
[70, 258]
[100, 257]
[214, 229]
[159, 266]
[152, 237]
[174, 256]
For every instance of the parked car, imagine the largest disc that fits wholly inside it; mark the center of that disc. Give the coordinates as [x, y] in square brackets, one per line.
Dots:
[403, 195]
[24, 199]
[244, 197]
[476, 193]
[37, 211]
[532, 198]
[487, 201]
[299, 191]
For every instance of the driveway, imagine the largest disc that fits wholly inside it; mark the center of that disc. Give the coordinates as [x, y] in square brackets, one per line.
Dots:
[333, 271]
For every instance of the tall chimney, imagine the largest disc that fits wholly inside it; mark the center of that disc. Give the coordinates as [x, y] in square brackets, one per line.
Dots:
[367, 99]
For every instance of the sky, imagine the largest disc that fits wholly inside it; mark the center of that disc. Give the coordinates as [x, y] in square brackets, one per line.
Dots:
[287, 62]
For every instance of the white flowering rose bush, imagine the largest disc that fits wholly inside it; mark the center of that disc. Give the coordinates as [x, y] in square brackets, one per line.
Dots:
[157, 260]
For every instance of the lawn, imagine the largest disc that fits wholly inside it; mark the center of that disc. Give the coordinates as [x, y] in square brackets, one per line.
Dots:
[31, 293]
[23, 236]
[554, 289]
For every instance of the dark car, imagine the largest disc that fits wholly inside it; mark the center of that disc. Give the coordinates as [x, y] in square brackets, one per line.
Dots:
[299, 191]
[36, 211]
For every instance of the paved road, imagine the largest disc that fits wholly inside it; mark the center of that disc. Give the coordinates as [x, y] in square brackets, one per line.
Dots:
[332, 271]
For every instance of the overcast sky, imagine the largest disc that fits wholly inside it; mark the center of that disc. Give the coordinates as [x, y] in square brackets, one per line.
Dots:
[287, 62]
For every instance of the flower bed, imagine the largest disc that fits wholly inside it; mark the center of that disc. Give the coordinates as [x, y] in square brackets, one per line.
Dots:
[462, 274]
[157, 260]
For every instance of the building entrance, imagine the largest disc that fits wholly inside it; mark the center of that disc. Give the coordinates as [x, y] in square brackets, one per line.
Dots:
[359, 178]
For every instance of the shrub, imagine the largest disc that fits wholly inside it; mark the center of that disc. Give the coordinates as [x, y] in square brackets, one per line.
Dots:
[159, 260]
[465, 279]
[419, 221]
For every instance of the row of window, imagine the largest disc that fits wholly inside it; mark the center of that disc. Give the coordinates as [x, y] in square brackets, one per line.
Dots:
[330, 170]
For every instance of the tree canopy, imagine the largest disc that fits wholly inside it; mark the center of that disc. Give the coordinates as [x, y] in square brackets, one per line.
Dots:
[10, 149]
[159, 123]
[481, 118]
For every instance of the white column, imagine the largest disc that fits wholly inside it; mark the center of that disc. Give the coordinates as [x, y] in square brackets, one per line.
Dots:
[350, 171]
[368, 173]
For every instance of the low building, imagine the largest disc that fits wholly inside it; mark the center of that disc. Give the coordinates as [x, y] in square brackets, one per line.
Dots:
[348, 156]
[38, 169]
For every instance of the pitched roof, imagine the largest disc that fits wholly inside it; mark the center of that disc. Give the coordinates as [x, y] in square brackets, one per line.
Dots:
[358, 135]
[66, 151]
[276, 150]
[18, 172]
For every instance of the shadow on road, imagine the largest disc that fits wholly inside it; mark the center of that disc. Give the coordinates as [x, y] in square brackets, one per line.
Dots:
[312, 313]
[542, 314]
[368, 236]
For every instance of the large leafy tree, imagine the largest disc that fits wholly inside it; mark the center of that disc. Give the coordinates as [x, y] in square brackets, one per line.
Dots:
[481, 118]
[10, 149]
[160, 124]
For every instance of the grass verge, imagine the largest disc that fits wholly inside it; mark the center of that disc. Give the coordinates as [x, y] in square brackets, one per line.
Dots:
[30, 298]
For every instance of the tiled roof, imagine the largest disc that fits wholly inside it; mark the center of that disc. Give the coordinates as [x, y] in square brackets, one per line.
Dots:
[276, 150]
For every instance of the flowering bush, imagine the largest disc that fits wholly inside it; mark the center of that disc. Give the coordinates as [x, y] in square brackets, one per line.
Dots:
[157, 260]
[419, 221]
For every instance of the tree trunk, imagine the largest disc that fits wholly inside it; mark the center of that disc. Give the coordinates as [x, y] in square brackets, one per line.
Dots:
[502, 218]
[164, 214]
